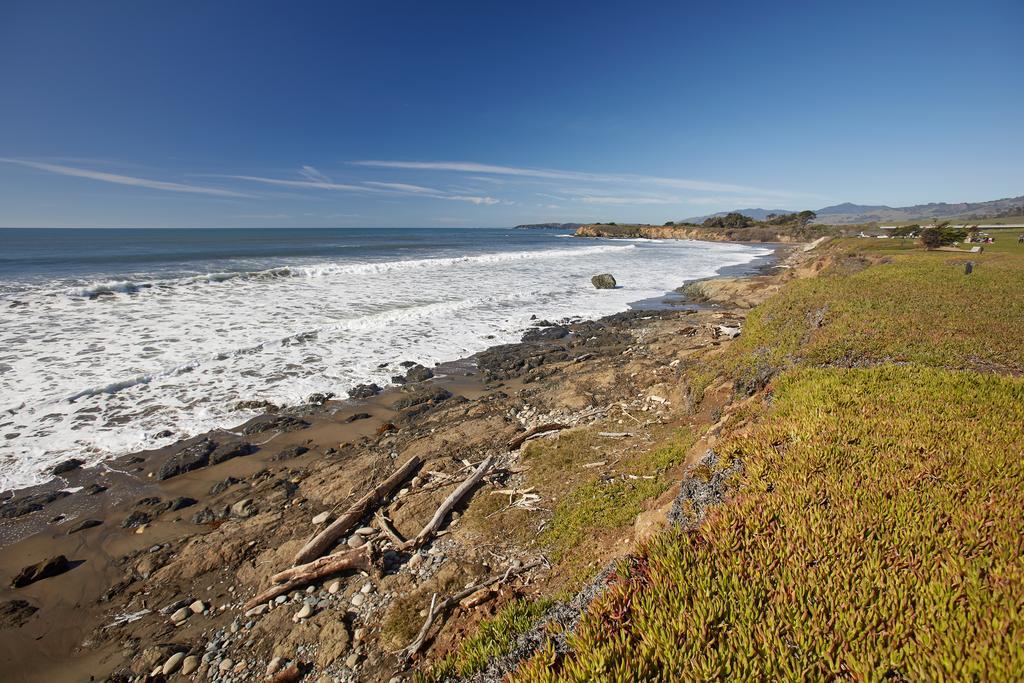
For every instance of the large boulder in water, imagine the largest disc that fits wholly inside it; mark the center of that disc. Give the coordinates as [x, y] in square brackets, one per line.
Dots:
[603, 281]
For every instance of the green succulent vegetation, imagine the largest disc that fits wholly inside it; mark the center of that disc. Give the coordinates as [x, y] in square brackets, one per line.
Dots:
[876, 531]
[916, 307]
[877, 534]
[875, 528]
[494, 637]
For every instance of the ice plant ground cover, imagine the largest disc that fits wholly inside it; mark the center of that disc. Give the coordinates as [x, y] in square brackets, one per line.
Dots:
[876, 533]
[876, 529]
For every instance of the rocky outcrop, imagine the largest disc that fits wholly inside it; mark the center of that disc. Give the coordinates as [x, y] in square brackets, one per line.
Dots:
[41, 570]
[67, 466]
[418, 373]
[434, 395]
[31, 503]
[187, 459]
[603, 281]
[14, 613]
[364, 391]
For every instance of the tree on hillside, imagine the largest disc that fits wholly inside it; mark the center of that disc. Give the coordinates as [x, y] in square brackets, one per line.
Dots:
[729, 220]
[941, 235]
[805, 217]
[669, 224]
[906, 230]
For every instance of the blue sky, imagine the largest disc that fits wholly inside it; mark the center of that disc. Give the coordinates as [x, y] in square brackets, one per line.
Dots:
[382, 113]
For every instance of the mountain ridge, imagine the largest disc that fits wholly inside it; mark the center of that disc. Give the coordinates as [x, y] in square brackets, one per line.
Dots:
[848, 212]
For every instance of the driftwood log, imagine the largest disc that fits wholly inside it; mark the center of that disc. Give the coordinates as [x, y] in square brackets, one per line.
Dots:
[319, 544]
[385, 526]
[290, 579]
[529, 434]
[438, 609]
[451, 501]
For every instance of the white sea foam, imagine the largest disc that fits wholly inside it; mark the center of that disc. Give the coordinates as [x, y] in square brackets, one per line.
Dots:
[100, 368]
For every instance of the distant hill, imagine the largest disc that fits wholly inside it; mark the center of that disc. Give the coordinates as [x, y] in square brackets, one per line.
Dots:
[548, 226]
[841, 214]
[847, 213]
[756, 214]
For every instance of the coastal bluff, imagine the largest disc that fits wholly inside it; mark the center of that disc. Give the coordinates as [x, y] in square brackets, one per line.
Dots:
[689, 232]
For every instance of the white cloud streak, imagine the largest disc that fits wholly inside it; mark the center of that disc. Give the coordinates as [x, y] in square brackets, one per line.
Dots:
[479, 201]
[403, 187]
[318, 181]
[124, 179]
[312, 184]
[310, 173]
[555, 174]
[629, 201]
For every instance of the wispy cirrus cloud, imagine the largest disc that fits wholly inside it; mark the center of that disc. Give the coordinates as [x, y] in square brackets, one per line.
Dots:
[310, 173]
[628, 201]
[479, 201]
[308, 184]
[315, 180]
[117, 179]
[403, 187]
[556, 174]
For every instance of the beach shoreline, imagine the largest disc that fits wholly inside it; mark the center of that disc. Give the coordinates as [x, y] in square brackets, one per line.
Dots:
[367, 434]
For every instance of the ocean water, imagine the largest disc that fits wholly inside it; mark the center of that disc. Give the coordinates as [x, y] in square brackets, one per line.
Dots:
[109, 337]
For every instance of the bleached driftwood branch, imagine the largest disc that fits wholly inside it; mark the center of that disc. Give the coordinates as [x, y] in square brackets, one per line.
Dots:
[290, 579]
[451, 501]
[339, 527]
[529, 434]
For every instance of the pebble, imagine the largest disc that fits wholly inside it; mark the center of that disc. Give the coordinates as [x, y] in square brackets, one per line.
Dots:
[306, 611]
[181, 615]
[274, 665]
[172, 663]
[358, 599]
[256, 611]
[225, 665]
[415, 561]
[367, 587]
[353, 660]
[321, 518]
[197, 607]
[359, 634]
[190, 664]
[355, 541]
[311, 590]
[240, 667]
[334, 587]
[281, 599]
[366, 531]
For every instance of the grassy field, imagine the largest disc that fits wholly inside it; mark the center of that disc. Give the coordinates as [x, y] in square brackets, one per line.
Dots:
[876, 532]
